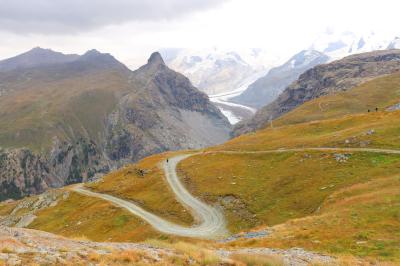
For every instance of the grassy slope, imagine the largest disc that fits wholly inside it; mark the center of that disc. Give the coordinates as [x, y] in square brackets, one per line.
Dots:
[30, 118]
[381, 92]
[349, 131]
[149, 191]
[100, 221]
[277, 187]
[361, 220]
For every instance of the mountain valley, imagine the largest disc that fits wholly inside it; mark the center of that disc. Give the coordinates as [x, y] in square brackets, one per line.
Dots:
[318, 184]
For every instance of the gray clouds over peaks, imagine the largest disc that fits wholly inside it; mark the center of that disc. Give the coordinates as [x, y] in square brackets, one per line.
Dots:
[64, 16]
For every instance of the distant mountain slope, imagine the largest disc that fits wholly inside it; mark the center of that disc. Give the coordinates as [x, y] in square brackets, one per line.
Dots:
[325, 79]
[64, 123]
[35, 57]
[266, 89]
[382, 93]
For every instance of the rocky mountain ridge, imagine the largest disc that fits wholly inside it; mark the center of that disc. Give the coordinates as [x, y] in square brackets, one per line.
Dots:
[36, 57]
[68, 122]
[322, 80]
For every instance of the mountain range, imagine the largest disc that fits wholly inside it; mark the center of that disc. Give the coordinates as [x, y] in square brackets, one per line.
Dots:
[340, 75]
[69, 118]
[316, 183]
[216, 71]
[255, 77]
[326, 48]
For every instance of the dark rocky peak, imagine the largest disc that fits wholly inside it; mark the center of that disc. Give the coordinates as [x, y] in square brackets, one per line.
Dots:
[155, 59]
[155, 63]
[95, 55]
[40, 51]
[170, 87]
[97, 60]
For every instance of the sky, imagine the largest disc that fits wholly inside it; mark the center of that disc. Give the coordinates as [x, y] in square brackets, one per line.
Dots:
[132, 29]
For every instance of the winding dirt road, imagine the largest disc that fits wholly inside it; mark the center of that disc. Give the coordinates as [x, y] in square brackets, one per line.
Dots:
[210, 221]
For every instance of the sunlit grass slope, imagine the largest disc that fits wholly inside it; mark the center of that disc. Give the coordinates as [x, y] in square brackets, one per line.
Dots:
[362, 220]
[144, 184]
[95, 219]
[257, 189]
[379, 93]
[380, 130]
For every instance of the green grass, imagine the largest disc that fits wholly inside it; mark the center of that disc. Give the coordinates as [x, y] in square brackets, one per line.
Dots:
[349, 131]
[274, 188]
[361, 220]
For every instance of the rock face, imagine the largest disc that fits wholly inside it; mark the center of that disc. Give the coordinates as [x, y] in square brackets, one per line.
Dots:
[68, 122]
[325, 79]
[266, 89]
[175, 116]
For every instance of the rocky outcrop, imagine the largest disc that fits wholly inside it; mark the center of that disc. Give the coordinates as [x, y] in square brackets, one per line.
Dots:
[322, 80]
[24, 172]
[26, 247]
[93, 115]
[25, 210]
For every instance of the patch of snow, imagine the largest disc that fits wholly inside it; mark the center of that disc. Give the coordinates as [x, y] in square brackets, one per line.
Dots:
[231, 117]
[219, 100]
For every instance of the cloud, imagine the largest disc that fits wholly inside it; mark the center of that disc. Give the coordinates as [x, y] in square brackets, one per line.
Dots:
[66, 16]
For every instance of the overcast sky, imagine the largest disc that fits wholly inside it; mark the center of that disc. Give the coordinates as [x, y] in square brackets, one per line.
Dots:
[132, 29]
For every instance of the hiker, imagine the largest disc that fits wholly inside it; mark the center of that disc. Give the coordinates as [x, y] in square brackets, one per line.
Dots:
[376, 109]
[369, 110]
[167, 160]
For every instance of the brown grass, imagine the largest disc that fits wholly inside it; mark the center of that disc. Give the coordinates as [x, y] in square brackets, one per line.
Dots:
[199, 253]
[91, 218]
[256, 260]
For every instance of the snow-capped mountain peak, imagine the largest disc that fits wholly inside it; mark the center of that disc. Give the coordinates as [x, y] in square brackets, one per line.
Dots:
[216, 70]
[341, 44]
